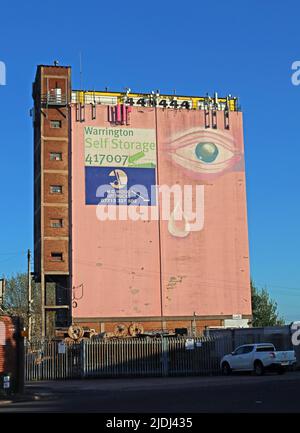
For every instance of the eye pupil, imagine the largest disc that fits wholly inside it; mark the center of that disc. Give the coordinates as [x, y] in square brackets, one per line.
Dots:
[206, 152]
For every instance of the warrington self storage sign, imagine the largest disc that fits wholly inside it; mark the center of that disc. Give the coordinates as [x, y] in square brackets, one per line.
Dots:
[120, 166]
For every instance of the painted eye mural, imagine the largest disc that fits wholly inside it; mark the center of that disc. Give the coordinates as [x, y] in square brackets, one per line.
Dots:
[203, 154]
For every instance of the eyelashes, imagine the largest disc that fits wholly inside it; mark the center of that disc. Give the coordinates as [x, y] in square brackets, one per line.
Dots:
[203, 153]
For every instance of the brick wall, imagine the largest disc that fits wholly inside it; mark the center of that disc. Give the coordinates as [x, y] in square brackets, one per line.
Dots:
[59, 246]
[59, 146]
[11, 351]
[52, 213]
[170, 325]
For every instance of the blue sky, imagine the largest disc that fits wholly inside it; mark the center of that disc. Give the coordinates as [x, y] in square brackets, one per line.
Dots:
[245, 48]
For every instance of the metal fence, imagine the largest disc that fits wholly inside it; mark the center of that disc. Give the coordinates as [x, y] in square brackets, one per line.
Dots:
[50, 359]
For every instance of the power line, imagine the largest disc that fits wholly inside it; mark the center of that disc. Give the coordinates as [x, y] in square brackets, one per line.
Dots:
[208, 281]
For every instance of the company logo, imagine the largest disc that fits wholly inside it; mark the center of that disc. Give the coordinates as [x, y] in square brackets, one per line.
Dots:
[295, 78]
[2, 74]
[121, 179]
[116, 186]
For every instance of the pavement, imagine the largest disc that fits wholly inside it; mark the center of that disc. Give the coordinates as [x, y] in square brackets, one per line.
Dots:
[240, 393]
[18, 398]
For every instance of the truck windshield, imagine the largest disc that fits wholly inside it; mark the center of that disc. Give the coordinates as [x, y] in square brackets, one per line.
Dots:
[265, 349]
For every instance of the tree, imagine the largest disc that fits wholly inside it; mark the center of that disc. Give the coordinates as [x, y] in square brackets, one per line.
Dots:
[264, 309]
[16, 301]
[15, 296]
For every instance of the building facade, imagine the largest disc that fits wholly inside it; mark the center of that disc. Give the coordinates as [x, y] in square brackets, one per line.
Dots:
[140, 208]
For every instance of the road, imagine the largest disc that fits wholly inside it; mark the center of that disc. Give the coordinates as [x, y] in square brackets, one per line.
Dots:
[239, 393]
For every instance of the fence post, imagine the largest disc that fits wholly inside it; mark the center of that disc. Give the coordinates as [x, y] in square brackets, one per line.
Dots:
[82, 359]
[165, 356]
[233, 340]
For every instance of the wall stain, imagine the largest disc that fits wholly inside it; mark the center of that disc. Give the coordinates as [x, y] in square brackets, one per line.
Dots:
[134, 291]
[174, 281]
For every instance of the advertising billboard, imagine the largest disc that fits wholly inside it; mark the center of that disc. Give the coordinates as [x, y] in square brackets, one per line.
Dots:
[204, 255]
[116, 159]
[159, 215]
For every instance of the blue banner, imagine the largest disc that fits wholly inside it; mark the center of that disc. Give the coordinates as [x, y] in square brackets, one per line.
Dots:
[120, 186]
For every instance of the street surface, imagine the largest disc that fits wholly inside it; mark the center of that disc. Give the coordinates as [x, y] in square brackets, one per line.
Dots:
[237, 393]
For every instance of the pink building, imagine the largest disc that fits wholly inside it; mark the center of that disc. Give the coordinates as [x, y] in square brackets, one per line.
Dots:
[141, 216]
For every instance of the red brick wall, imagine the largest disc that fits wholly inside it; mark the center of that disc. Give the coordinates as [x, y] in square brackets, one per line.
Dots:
[170, 325]
[56, 114]
[9, 362]
[55, 179]
[55, 146]
[56, 246]
[53, 212]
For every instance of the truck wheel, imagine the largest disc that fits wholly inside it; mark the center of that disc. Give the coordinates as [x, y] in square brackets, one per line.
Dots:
[226, 370]
[258, 368]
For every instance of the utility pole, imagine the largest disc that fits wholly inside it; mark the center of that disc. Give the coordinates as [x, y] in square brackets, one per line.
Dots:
[29, 295]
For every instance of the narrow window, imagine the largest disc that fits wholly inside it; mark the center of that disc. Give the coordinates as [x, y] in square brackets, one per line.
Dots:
[57, 257]
[56, 189]
[55, 124]
[56, 223]
[55, 156]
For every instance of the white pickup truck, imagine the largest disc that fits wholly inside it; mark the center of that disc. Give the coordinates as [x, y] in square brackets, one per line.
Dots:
[258, 358]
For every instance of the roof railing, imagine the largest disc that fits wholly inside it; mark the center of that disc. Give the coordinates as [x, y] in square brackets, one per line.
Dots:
[54, 99]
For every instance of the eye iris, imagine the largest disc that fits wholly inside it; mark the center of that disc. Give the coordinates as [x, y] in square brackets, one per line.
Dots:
[206, 152]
